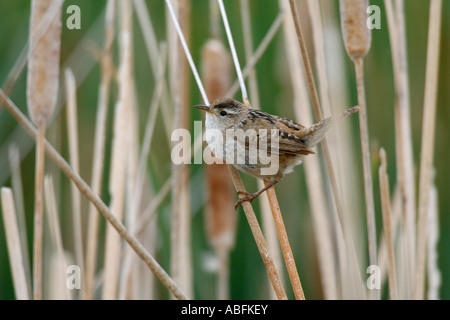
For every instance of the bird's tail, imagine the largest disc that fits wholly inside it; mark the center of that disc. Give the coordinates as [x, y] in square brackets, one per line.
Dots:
[314, 134]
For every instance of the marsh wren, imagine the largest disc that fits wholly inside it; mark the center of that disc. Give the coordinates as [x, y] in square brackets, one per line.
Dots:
[266, 146]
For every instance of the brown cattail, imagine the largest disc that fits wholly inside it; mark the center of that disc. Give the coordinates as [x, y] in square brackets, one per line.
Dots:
[357, 36]
[221, 216]
[43, 65]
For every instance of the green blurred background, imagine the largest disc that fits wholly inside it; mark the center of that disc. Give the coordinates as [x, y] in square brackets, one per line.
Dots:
[246, 271]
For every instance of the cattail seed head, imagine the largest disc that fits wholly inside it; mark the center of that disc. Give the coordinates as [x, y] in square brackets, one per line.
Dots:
[220, 215]
[43, 64]
[355, 32]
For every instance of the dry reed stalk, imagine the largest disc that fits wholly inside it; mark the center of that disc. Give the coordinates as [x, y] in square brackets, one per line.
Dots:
[131, 210]
[59, 278]
[285, 246]
[366, 159]
[428, 133]
[72, 128]
[349, 244]
[119, 153]
[84, 188]
[395, 220]
[38, 214]
[221, 218]
[99, 149]
[259, 238]
[403, 121]
[357, 40]
[180, 260]
[42, 90]
[270, 233]
[404, 159]
[16, 181]
[387, 225]
[266, 213]
[16, 258]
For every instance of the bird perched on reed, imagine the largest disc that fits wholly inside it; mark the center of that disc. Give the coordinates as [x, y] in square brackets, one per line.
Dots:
[253, 132]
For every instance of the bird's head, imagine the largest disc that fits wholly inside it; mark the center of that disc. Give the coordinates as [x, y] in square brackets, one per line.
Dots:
[223, 113]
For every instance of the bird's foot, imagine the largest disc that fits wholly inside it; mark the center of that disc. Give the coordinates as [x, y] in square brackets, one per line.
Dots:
[251, 196]
[247, 196]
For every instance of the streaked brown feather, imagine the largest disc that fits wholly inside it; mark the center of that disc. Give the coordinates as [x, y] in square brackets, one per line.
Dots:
[289, 142]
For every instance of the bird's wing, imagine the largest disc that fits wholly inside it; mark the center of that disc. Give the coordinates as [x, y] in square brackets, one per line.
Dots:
[285, 130]
[291, 144]
[287, 143]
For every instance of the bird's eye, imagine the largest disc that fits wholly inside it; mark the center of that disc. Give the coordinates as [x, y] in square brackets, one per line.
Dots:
[223, 113]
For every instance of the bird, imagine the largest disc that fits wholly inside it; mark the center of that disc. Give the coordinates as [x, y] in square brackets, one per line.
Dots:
[238, 132]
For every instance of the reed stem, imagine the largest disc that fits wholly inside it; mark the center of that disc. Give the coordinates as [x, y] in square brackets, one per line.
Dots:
[39, 212]
[99, 149]
[284, 242]
[367, 170]
[16, 258]
[259, 238]
[428, 134]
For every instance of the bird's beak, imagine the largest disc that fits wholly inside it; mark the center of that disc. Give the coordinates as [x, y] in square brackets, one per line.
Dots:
[204, 108]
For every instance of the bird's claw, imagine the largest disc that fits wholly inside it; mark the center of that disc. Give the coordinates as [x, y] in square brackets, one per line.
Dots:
[247, 197]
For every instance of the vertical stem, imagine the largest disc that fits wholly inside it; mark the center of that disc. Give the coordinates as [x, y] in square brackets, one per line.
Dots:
[39, 212]
[284, 242]
[404, 148]
[426, 156]
[13, 241]
[220, 215]
[14, 160]
[120, 149]
[180, 264]
[367, 170]
[259, 238]
[72, 132]
[99, 149]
